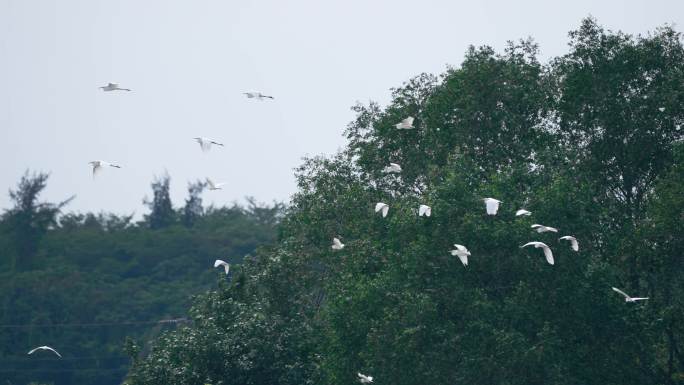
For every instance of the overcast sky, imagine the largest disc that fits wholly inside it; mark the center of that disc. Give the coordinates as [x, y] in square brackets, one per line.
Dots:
[189, 61]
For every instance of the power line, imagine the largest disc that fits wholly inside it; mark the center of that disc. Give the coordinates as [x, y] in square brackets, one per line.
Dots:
[94, 324]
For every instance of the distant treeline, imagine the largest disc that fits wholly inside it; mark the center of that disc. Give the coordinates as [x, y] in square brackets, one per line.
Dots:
[82, 283]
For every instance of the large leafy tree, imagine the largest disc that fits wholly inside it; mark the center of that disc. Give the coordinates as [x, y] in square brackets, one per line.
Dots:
[588, 143]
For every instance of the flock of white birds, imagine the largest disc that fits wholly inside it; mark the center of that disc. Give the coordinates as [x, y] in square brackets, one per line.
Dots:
[205, 144]
[460, 251]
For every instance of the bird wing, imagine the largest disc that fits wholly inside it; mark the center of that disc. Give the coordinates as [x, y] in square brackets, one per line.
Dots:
[112, 85]
[336, 242]
[211, 184]
[45, 348]
[97, 167]
[385, 209]
[460, 247]
[522, 212]
[548, 254]
[379, 206]
[422, 210]
[463, 257]
[639, 298]
[218, 185]
[409, 121]
[549, 228]
[492, 206]
[531, 244]
[615, 289]
[574, 244]
[52, 350]
[573, 241]
[219, 263]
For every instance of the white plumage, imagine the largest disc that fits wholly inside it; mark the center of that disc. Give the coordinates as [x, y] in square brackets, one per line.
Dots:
[99, 164]
[492, 205]
[226, 265]
[215, 186]
[462, 253]
[627, 297]
[364, 379]
[405, 124]
[206, 143]
[547, 251]
[337, 245]
[573, 241]
[543, 229]
[45, 348]
[522, 212]
[392, 168]
[424, 210]
[384, 207]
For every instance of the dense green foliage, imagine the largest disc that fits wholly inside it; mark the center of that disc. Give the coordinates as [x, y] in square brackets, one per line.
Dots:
[590, 143]
[82, 283]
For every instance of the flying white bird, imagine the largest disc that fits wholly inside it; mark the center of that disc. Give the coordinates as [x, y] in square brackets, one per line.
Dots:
[522, 212]
[206, 143]
[424, 210]
[393, 167]
[382, 206]
[364, 379]
[661, 109]
[45, 348]
[257, 95]
[405, 124]
[462, 253]
[99, 164]
[113, 87]
[215, 186]
[492, 205]
[337, 245]
[573, 241]
[543, 229]
[547, 250]
[225, 265]
[628, 298]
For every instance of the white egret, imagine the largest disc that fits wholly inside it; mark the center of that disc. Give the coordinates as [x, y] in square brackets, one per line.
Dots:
[392, 168]
[543, 229]
[99, 164]
[522, 212]
[492, 205]
[547, 250]
[226, 265]
[337, 245]
[424, 210]
[573, 241]
[462, 253]
[661, 109]
[206, 143]
[628, 298]
[384, 207]
[45, 348]
[405, 124]
[364, 379]
[257, 95]
[215, 186]
[113, 87]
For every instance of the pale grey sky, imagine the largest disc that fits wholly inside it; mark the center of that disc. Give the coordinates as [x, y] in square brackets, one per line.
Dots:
[189, 61]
